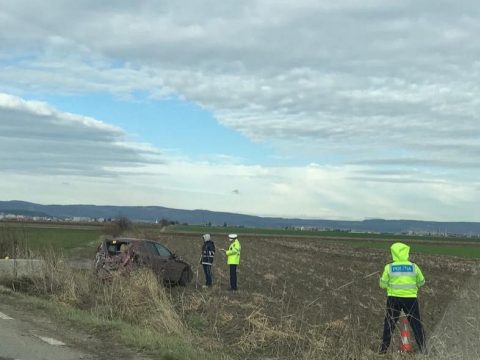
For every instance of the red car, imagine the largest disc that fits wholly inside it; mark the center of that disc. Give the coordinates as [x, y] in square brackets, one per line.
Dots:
[125, 254]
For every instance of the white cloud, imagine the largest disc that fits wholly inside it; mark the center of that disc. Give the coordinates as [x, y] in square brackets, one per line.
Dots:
[312, 192]
[37, 139]
[57, 157]
[354, 77]
[388, 91]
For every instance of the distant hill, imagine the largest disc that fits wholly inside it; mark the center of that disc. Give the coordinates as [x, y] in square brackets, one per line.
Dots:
[28, 213]
[152, 213]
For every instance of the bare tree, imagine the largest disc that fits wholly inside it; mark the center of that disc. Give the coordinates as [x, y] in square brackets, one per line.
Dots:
[117, 226]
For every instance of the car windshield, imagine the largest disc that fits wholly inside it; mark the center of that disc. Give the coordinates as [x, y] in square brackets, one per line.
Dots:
[150, 248]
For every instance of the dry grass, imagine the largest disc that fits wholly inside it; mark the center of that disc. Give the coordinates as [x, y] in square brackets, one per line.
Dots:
[139, 299]
[272, 318]
[457, 333]
[13, 243]
[289, 334]
[136, 299]
[262, 330]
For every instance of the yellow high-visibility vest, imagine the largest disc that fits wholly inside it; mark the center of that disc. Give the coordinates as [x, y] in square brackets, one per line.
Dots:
[401, 278]
[233, 253]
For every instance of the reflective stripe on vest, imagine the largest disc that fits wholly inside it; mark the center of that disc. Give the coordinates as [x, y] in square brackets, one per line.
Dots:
[402, 276]
[402, 286]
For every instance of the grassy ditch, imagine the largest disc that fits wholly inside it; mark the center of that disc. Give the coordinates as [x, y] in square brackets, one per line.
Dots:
[135, 310]
[162, 347]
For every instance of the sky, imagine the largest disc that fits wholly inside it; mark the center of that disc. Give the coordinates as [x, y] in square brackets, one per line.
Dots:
[350, 110]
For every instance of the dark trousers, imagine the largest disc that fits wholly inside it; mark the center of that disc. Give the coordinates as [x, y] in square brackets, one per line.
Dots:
[207, 269]
[233, 277]
[410, 308]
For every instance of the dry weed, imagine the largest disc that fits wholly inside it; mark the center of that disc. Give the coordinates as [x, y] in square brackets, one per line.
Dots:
[262, 330]
[136, 298]
[13, 243]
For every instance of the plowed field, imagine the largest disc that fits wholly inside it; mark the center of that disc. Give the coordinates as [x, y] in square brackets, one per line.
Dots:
[289, 304]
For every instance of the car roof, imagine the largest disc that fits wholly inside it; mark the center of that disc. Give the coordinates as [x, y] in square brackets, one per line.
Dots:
[128, 239]
[125, 239]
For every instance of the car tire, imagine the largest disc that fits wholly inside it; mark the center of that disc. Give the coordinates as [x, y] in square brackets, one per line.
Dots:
[184, 278]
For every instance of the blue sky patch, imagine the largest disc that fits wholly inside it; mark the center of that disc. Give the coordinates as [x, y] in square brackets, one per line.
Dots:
[180, 127]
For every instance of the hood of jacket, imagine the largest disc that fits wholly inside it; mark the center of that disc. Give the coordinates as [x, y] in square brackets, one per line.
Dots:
[400, 252]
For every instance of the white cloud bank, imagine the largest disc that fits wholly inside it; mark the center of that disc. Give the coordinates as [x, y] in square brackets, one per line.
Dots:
[37, 139]
[54, 157]
[384, 95]
[364, 80]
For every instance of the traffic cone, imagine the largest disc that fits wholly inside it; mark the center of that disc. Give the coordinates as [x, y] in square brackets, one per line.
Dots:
[405, 343]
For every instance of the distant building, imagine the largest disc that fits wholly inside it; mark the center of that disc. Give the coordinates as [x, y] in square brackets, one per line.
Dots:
[81, 219]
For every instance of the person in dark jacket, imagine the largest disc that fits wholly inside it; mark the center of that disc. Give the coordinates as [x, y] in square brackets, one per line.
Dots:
[208, 253]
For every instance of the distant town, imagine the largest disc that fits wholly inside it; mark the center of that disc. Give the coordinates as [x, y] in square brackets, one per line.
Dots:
[80, 219]
[9, 217]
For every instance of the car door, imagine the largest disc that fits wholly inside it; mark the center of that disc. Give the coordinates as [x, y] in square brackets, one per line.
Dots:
[158, 263]
[172, 269]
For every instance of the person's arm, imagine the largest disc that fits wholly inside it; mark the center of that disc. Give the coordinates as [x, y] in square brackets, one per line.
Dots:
[232, 250]
[211, 251]
[420, 277]
[385, 278]
[203, 253]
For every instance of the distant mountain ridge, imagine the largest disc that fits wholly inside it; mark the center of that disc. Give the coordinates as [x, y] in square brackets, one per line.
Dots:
[152, 213]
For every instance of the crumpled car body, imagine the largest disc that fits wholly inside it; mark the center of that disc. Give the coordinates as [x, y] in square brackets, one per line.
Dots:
[126, 254]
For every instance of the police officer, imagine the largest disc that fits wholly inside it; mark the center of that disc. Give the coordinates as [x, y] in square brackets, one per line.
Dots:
[233, 259]
[402, 279]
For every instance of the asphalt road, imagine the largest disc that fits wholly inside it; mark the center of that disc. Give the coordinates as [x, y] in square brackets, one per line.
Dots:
[20, 340]
[29, 334]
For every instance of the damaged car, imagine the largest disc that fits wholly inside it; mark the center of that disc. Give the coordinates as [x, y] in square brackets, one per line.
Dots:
[127, 254]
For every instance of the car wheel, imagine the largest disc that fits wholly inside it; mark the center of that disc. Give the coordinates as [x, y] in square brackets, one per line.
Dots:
[184, 278]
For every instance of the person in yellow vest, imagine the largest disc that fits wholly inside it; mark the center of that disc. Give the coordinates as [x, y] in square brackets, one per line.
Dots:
[402, 279]
[233, 259]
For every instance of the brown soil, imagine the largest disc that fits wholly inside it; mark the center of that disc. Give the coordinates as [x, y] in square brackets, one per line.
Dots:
[287, 305]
